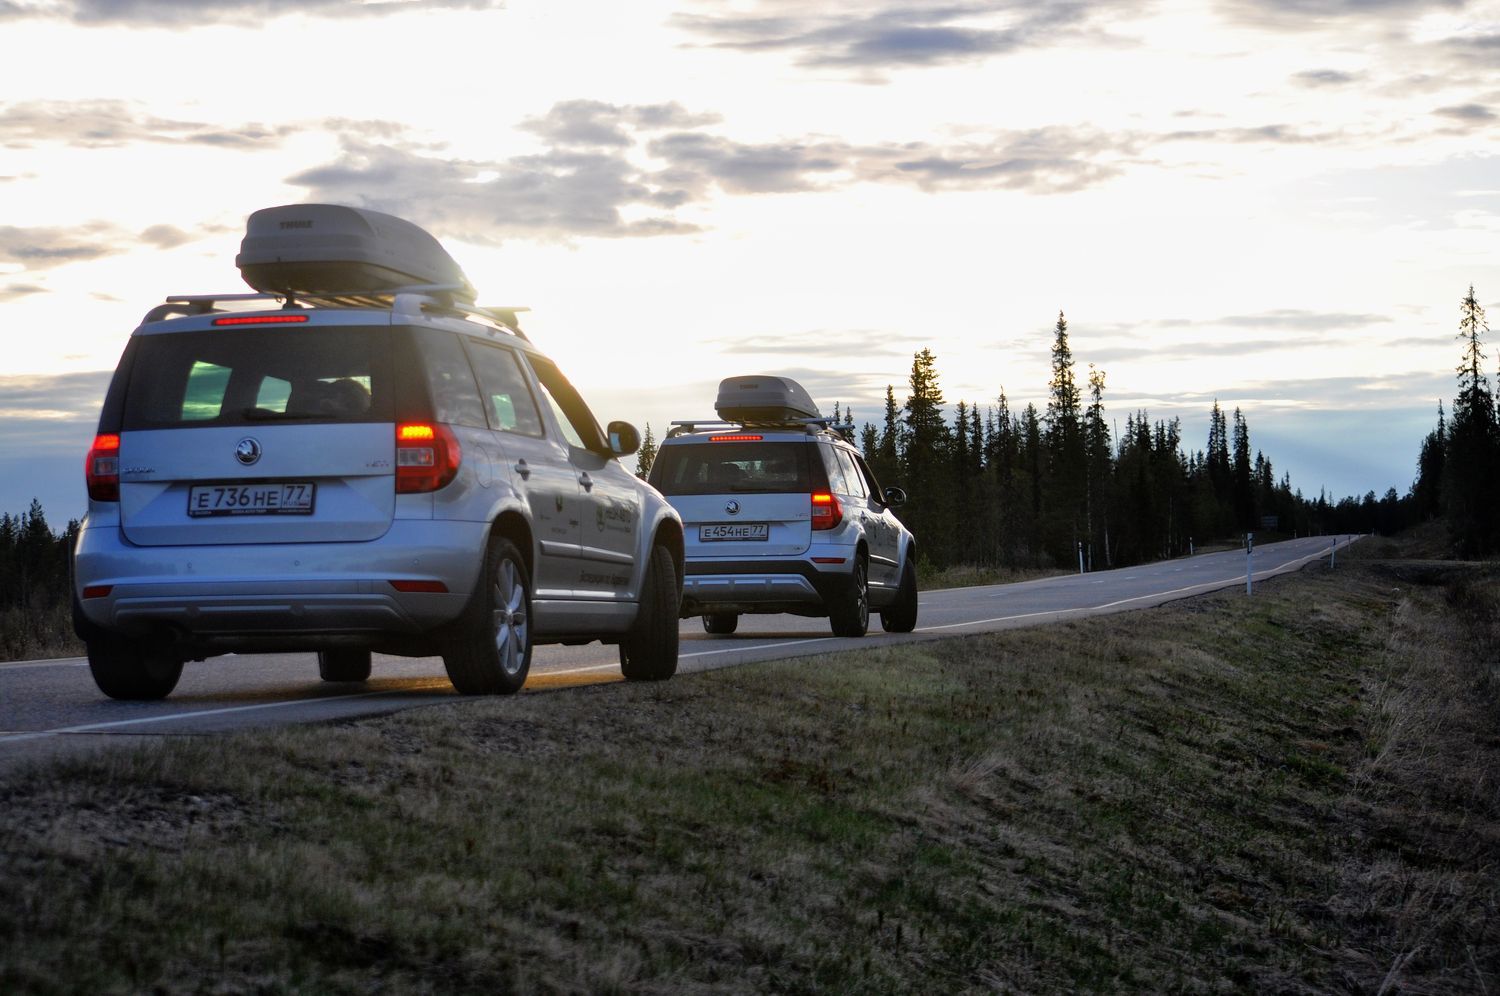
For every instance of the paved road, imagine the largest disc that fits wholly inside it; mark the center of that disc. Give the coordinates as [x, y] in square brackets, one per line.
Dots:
[47, 707]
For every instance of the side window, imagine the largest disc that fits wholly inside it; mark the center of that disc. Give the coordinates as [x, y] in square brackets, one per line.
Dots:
[853, 479]
[835, 470]
[573, 416]
[507, 400]
[455, 399]
[204, 397]
[872, 486]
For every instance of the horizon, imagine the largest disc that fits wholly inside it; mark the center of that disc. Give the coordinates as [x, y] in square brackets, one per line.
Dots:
[1277, 205]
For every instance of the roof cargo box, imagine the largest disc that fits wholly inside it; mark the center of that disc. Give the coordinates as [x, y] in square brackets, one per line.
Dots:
[763, 399]
[312, 248]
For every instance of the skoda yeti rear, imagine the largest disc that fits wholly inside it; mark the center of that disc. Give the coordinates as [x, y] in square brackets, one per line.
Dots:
[781, 514]
[386, 468]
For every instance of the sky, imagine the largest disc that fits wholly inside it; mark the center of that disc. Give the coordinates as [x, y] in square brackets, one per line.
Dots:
[1277, 204]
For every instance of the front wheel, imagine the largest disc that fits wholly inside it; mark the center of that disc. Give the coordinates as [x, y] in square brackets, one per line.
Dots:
[344, 665]
[132, 670]
[649, 651]
[849, 615]
[901, 616]
[491, 651]
[721, 623]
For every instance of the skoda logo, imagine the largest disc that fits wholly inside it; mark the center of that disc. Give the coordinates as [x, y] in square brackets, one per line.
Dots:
[247, 450]
[732, 507]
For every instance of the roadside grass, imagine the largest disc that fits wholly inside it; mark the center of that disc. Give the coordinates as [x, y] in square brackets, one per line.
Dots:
[931, 578]
[1290, 793]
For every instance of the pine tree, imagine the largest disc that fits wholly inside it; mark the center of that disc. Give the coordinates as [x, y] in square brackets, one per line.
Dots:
[1065, 485]
[1427, 492]
[1473, 452]
[1096, 444]
[646, 455]
[1243, 486]
[925, 460]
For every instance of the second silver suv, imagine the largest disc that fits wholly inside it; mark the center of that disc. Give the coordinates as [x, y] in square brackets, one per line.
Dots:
[359, 459]
[781, 514]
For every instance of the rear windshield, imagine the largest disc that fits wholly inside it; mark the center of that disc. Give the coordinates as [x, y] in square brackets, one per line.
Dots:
[254, 376]
[732, 468]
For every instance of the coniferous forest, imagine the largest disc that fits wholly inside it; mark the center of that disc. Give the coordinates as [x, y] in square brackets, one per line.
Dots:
[997, 487]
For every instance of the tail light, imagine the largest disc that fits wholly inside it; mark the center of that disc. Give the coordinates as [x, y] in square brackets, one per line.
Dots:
[827, 510]
[101, 470]
[427, 457]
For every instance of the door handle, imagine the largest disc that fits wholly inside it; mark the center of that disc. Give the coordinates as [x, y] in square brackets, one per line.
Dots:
[586, 481]
[523, 470]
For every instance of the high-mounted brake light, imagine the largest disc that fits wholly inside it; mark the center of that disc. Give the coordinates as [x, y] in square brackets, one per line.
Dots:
[427, 457]
[260, 320]
[735, 439]
[827, 510]
[101, 469]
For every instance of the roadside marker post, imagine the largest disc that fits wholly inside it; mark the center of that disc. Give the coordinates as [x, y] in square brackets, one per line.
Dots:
[1249, 563]
[1080, 556]
[1333, 553]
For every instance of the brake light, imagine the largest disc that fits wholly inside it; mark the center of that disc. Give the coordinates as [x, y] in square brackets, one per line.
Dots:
[260, 320]
[827, 510]
[735, 439]
[427, 457]
[101, 469]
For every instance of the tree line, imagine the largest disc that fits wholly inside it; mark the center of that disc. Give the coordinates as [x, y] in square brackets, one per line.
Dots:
[34, 596]
[1048, 487]
[1458, 466]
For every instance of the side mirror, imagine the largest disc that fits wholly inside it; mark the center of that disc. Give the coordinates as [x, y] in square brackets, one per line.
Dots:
[895, 497]
[623, 439]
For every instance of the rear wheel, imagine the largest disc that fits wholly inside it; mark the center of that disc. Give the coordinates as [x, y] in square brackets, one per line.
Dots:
[721, 623]
[344, 664]
[491, 652]
[649, 652]
[849, 615]
[901, 616]
[132, 669]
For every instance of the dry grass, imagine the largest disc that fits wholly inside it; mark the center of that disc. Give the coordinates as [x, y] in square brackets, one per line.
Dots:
[1293, 793]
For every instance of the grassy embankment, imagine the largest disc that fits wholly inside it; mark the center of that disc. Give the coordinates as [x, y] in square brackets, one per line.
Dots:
[1295, 792]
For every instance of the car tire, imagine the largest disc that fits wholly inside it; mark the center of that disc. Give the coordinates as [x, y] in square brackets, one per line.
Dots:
[649, 651]
[901, 616]
[721, 623]
[344, 664]
[491, 651]
[133, 670]
[849, 615]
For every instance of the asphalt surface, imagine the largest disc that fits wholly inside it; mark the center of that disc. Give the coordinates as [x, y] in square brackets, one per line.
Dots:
[52, 707]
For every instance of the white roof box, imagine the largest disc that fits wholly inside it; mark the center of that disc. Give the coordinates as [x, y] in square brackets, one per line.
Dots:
[763, 399]
[312, 248]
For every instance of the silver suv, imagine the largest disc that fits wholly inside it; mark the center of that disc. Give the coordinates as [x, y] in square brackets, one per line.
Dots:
[782, 514]
[358, 458]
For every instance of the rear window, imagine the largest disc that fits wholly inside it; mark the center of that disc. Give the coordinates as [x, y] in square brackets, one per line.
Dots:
[732, 468]
[253, 376]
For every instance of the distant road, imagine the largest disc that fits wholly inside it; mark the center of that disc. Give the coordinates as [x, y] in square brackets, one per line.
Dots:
[52, 706]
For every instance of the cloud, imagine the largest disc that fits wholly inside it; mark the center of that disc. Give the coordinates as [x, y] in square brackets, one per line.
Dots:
[814, 344]
[107, 123]
[15, 291]
[1325, 77]
[53, 398]
[625, 170]
[43, 248]
[1473, 113]
[1304, 15]
[196, 13]
[165, 236]
[879, 36]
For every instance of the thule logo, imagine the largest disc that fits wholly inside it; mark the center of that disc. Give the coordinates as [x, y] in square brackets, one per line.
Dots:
[305, 223]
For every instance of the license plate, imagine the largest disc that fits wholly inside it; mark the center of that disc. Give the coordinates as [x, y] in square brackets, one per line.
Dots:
[720, 532]
[251, 499]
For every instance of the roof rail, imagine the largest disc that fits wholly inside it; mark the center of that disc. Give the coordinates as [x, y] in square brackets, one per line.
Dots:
[812, 426]
[435, 297]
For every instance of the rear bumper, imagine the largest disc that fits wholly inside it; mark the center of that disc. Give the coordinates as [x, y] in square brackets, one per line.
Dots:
[277, 596]
[795, 586]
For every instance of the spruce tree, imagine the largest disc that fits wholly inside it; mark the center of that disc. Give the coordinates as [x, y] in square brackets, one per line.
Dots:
[646, 455]
[1470, 467]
